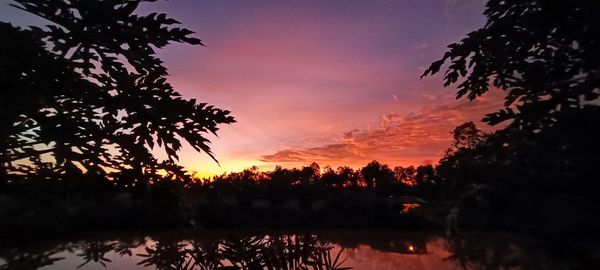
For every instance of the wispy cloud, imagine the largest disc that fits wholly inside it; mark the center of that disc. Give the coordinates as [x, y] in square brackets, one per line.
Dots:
[300, 75]
[395, 139]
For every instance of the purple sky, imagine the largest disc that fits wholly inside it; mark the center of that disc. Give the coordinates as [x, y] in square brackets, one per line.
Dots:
[335, 82]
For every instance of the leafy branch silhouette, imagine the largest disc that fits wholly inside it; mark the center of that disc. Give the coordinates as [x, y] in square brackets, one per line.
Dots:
[91, 92]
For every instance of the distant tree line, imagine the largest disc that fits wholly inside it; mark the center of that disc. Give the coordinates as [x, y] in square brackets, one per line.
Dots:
[85, 100]
[373, 176]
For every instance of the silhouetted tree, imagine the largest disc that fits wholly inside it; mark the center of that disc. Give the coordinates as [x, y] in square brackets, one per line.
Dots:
[543, 54]
[281, 177]
[330, 178]
[377, 175]
[350, 177]
[95, 94]
[425, 180]
[467, 136]
[425, 174]
[405, 175]
[534, 173]
[30, 79]
[310, 174]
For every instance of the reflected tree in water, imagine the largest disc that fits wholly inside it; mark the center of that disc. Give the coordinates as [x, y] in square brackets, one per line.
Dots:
[251, 252]
[493, 251]
[167, 255]
[284, 252]
[96, 251]
[245, 252]
[206, 254]
[302, 252]
[324, 259]
[28, 259]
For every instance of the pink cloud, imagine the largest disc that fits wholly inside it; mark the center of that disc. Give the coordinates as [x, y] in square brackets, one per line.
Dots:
[410, 139]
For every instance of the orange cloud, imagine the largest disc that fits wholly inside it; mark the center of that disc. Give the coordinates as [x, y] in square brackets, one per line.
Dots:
[410, 139]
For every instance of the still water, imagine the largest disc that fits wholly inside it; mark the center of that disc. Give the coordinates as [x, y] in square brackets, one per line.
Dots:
[301, 250]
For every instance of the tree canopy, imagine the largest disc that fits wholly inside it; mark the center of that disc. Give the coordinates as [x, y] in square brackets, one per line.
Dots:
[467, 136]
[537, 172]
[90, 91]
[542, 53]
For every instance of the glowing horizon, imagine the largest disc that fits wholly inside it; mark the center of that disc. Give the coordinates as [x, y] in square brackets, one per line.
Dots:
[333, 82]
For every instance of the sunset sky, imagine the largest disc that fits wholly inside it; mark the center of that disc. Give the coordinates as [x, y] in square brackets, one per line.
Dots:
[335, 82]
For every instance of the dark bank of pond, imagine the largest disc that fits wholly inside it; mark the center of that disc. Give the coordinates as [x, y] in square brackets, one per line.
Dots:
[34, 210]
[321, 249]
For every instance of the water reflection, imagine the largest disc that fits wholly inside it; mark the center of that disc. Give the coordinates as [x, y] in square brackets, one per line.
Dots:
[323, 251]
[249, 252]
[28, 259]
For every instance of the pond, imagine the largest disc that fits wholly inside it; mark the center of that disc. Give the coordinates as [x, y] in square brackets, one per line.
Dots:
[284, 250]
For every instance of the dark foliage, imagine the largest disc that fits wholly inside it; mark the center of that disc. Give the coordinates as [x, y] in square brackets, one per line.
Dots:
[282, 198]
[540, 182]
[90, 91]
[543, 54]
[536, 173]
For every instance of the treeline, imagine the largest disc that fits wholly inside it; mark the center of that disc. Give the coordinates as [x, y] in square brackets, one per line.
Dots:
[374, 176]
[511, 179]
[374, 196]
[78, 156]
[418, 181]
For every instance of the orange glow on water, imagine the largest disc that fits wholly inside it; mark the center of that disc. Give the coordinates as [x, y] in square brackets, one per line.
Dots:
[408, 207]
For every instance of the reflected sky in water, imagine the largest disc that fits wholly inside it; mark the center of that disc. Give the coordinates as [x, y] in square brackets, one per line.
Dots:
[306, 250]
[361, 257]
